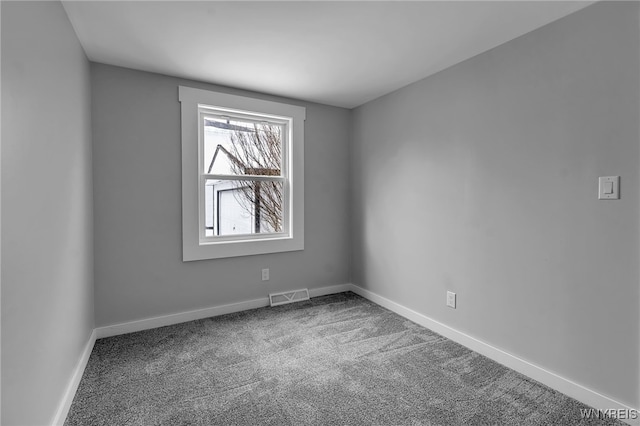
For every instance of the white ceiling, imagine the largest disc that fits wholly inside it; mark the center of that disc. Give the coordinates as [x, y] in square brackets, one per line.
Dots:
[336, 53]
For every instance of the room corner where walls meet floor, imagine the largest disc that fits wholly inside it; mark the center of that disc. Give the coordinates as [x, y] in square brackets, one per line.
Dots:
[554, 381]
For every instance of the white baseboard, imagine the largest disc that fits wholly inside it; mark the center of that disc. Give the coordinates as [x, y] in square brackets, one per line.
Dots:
[177, 318]
[332, 289]
[72, 387]
[587, 396]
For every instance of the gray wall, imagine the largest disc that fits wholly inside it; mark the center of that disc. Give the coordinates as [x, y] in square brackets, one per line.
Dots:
[482, 179]
[47, 247]
[139, 270]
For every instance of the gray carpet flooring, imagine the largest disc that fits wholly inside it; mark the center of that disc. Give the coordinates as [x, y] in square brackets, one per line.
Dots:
[333, 360]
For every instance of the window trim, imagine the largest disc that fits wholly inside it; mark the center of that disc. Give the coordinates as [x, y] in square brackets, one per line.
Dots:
[191, 101]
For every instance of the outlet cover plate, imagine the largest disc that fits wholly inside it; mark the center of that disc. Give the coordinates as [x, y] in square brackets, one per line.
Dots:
[451, 299]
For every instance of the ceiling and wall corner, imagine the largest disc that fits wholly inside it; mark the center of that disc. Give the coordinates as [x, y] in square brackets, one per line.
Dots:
[335, 53]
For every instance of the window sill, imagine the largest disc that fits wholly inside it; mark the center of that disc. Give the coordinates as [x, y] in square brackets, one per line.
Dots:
[223, 249]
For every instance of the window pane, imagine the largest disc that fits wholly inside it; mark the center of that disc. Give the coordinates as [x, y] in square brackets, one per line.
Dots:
[236, 147]
[243, 207]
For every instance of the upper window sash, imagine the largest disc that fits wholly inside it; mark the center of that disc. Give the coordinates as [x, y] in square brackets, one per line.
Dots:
[284, 123]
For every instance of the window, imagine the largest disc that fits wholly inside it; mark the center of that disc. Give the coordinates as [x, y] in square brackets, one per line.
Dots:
[242, 175]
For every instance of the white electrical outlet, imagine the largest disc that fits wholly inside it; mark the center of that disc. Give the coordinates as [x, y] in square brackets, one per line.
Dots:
[265, 274]
[451, 299]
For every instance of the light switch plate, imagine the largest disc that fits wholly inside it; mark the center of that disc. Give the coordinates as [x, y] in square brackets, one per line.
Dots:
[609, 188]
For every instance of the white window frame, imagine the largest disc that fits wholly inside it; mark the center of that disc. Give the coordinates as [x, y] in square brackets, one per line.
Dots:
[195, 246]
